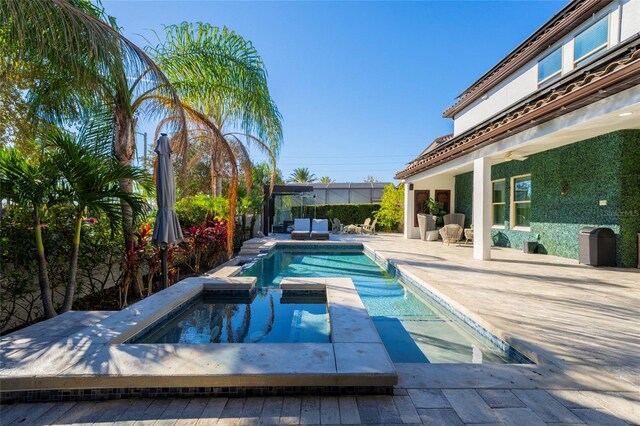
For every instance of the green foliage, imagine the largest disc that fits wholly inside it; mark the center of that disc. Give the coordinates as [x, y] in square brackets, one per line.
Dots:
[301, 175]
[196, 209]
[391, 213]
[348, 214]
[98, 262]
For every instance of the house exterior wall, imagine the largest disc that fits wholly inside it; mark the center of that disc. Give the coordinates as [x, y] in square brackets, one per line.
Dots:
[606, 167]
[624, 22]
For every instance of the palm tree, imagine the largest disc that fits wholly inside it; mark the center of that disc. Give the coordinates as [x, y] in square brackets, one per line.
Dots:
[301, 175]
[91, 66]
[326, 179]
[90, 179]
[30, 183]
[221, 75]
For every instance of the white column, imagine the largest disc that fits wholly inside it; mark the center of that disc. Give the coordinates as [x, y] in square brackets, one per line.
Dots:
[482, 209]
[408, 210]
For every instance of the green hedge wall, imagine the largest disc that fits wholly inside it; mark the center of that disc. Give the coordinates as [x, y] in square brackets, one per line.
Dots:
[602, 168]
[464, 197]
[347, 213]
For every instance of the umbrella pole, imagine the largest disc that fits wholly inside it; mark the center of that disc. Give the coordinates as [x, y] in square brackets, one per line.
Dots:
[165, 272]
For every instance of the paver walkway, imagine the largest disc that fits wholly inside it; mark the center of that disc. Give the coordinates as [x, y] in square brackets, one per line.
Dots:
[583, 323]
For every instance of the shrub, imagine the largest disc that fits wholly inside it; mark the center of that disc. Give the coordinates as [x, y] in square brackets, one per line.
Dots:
[348, 214]
[391, 213]
[197, 209]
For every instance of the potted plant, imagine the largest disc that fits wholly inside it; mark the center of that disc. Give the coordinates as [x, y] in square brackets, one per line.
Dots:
[434, 208]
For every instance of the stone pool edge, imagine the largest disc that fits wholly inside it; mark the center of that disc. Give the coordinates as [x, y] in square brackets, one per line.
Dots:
[95, 363]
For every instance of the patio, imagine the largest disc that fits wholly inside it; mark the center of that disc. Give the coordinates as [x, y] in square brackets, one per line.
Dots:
[579, 324]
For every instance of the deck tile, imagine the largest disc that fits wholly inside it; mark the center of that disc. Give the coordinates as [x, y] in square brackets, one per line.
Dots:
[428, 398]
[440, 416]
[212, 411]
[546, 406]
[310, 410]
[368, 410]
[290, 414]
[271, 411]
[500, 398]
[517, 416]
[469, 406]
[329, 410]
[348, 410]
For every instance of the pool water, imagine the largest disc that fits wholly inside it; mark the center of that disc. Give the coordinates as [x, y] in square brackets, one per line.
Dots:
[413, 329]
[267, 318]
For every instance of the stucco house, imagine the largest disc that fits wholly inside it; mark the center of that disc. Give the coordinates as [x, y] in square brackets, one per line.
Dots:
[547, 141]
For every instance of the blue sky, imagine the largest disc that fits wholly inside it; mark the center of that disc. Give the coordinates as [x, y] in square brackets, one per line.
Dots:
[361, 85]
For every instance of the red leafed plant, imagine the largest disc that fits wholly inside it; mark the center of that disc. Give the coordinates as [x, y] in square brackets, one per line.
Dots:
[135, 258]
[206, 240]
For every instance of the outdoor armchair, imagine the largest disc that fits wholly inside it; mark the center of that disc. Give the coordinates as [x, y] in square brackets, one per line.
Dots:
[451, 233]
[370, 229]
[301, 229]
[454, 218]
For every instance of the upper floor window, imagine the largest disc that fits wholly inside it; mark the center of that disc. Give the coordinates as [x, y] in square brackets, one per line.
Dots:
[591, 41]
[521, 202]
[550, 66]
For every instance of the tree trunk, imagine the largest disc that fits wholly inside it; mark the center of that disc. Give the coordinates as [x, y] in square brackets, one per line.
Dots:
[124, 148]
[73, 266]
[43, 274]
[252, 224]
[216, 164]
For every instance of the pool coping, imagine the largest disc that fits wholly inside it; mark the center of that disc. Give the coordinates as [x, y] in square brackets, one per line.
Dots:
[96, 359]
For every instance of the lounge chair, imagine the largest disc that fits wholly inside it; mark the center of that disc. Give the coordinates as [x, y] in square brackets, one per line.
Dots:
[360, 227]
[320, 229]
[301, 229]
[451, 233]
[370, 229]
[337, 227]
[454, 218]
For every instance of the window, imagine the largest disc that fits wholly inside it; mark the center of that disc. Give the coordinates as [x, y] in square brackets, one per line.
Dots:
[550, 66]
[521, 201]
[590, 41]
[497, 202]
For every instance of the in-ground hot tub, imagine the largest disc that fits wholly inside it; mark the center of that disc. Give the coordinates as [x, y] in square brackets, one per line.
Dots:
[264, 316]
[110, 359]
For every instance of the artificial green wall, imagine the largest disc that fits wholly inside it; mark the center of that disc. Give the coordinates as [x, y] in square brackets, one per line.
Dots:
[464, 197]
[606, 167]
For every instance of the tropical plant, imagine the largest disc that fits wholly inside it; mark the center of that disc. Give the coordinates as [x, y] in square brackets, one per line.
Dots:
[220, 74]
[199, 208]
[91, 67]
[31, 183]
[90, 180]
[301, 175]
[391, 213]
[223, 83]
[326, 179]
[434, 208]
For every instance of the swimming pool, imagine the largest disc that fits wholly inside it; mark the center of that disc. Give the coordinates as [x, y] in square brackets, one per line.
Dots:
[413, 329]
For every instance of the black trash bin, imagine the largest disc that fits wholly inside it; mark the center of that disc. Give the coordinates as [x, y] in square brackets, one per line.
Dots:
[597, 246]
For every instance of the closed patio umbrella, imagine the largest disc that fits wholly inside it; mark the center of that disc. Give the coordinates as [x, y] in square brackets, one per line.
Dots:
[167, 229]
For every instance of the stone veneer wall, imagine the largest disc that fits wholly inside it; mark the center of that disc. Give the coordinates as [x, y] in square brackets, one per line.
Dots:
[606, 167]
